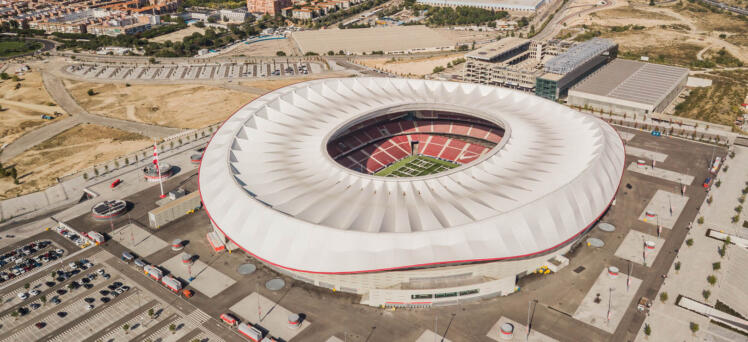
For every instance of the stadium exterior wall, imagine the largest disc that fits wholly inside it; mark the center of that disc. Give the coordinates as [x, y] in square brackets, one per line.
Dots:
[466, 275]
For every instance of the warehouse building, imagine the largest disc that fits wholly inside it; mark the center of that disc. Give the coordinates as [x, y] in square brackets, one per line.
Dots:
[576, 63]
[630, 87]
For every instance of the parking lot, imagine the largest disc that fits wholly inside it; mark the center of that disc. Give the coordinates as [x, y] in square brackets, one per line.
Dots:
[224, 71]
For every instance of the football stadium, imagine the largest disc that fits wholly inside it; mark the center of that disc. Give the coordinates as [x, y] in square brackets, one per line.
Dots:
[408, 192]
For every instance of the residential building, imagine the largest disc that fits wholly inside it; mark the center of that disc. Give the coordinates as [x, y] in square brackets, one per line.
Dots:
[271, 7]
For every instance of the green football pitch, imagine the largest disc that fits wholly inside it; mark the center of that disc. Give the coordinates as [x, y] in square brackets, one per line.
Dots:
[415, 166]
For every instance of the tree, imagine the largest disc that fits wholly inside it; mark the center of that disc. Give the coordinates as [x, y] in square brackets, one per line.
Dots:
[200, 24]
[150, 313]
[91, 92]
[26, 286]
[4, 76]
[663, 297]
[677, 266]
[14, 314]
[212, 20]
[438, 69]
[280, 53]
[706, 294]
[43, 299]
[711, 280]
[689, 242]
[172, 328]
[152, 60]
[647, 329]
[716, 266]
[330, 53]
[700, 220]
[694, 327]
[126, 328]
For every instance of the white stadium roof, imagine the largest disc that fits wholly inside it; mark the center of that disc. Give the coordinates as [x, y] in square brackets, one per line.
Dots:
[269, 184]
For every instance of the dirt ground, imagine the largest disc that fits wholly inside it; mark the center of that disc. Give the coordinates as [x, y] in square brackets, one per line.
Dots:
[22, 108]
[177, 36]
[667, 28]
[263, 48]
[407, 66]
[74, 149]
[177, 105]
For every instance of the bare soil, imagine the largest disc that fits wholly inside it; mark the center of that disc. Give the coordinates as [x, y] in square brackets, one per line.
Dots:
[22, 108]
[176, 105]
[177, 36]
[74, 149]
[408, 66]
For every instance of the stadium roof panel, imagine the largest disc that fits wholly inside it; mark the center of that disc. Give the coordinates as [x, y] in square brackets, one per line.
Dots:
[269, 184]
[645, 83]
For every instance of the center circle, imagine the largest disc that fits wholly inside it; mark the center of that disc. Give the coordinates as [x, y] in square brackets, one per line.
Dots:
[413, 143]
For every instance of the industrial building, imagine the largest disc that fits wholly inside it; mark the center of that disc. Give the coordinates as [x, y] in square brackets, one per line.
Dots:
[514, 63]
[629, 87]
[565, 70]
[446, 237]
[491, 5]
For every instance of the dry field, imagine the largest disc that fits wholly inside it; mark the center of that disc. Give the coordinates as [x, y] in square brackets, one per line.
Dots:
[23, 107]
[718, 103]
[178, 105]
[74, 149]
[177, 36]
[672, 30]
[263, 48]
[408, 66]
[366, 40]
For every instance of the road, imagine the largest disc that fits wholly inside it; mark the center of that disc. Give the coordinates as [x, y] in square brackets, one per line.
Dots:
[77, 115]
[550, 30]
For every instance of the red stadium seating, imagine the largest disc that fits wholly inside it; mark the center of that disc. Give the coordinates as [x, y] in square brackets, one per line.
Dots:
[376, 143]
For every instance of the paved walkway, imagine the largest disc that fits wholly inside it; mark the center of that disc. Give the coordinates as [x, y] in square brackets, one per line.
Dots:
[670, 322]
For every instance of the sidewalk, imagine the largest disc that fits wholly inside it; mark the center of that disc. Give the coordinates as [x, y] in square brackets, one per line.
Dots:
[669, 322]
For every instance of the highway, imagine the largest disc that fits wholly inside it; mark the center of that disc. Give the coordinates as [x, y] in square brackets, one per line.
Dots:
[550, 30]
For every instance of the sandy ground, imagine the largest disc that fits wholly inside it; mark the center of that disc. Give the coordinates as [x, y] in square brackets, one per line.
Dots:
[177, 36]
[366, 40]
[182, 106]
[467, 37]
[405, 66]
[686, 25]
[263, 48]
[23, 107]
[79, 147]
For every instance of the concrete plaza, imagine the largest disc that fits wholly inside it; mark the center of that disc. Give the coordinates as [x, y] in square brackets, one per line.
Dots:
[666, 207]
[675, 177]
[138, 240]
[208, 280]
[633, 249]
[614, 297]
[520, 332]
[270, 316]
[646, 154]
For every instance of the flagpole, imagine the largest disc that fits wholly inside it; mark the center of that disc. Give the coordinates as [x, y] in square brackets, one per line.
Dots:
[158, 168]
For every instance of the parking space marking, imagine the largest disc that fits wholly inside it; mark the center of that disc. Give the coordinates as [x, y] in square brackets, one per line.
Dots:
[103, 318]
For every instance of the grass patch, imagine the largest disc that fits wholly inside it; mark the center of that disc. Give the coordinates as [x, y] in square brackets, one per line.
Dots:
[719, 103]
[10, 48]
[414, 166]
[675, 54]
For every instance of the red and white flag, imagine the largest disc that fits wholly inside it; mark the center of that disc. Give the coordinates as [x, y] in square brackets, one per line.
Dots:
[155, 155]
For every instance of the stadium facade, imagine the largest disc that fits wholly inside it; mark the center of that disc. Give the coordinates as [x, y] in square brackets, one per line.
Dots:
[294, 179]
